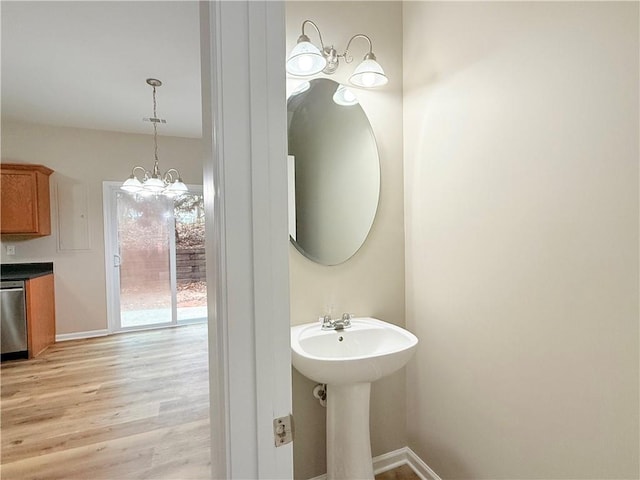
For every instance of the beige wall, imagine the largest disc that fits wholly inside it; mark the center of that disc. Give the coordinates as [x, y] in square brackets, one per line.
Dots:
[371, 282]
[85, 157]
[521, 189]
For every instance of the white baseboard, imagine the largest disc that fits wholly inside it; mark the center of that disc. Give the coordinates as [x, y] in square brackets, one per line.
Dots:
[402, 456]
[389, 461]
[417, 464]
[63, 337]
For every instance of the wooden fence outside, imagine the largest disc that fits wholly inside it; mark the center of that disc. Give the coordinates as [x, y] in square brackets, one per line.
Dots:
[149, 266]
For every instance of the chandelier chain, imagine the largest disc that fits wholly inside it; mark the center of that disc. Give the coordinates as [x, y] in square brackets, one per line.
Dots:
[155, 125]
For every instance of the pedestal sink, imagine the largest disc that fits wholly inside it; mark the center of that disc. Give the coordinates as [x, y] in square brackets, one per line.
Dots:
[348, 361]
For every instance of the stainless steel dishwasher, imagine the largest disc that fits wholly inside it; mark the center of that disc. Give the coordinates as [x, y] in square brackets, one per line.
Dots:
[13, 320]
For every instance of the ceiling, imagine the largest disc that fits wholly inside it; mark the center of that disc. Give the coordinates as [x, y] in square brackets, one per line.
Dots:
[84, 64]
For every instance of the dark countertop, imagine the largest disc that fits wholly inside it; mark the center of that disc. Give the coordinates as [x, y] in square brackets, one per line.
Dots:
[24, 271]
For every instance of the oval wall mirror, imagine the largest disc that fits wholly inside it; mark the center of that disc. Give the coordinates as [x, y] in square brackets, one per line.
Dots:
[334, 172]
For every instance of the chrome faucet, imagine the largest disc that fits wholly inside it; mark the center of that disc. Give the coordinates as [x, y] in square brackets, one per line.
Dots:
[338, 324]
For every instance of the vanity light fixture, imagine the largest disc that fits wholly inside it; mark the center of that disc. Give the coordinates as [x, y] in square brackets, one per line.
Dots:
[306, 59]
[168, 183]
[344, 96]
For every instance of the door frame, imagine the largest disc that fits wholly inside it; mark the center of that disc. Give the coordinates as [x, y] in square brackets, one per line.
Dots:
[112, 275]
[245, 181]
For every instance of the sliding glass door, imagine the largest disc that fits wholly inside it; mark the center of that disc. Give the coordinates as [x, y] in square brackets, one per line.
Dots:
[191, 281]
[155, 259]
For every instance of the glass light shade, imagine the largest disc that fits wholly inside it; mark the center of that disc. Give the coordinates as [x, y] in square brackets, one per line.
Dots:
[177, 188]
[146, 193]
[305, 59]
[132, 185]
[368, 74]
[344, 96]
[169, 194]
[153, 184]
[297, 88]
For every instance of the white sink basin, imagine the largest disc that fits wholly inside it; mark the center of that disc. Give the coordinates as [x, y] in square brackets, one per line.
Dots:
[367, 351]
[348, 361]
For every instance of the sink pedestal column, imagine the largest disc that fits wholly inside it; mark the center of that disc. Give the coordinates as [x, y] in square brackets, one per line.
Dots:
[348, 442]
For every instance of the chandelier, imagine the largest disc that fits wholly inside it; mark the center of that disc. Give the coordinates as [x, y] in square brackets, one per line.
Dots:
[153, 182]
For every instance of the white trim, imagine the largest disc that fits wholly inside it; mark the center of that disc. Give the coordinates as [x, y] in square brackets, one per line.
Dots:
[390, 460]
[215, 241]
[402, 456]
[63, 337]
[173, 281]
[110, 191]
[270, 227]
[112, 274]
[232, 128]
[419, 466]
[244, 121]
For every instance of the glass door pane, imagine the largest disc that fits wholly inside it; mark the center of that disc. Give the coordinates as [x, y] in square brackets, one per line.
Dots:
[145, 242]
[190, 259]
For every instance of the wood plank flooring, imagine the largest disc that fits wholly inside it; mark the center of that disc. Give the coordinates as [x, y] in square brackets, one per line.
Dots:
[129, 406]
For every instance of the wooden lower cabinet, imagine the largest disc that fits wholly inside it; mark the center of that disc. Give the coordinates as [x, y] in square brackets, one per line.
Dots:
[41, 314]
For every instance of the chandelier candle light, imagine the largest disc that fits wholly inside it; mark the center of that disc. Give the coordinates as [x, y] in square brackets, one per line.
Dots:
[169, 183]
[306, 59]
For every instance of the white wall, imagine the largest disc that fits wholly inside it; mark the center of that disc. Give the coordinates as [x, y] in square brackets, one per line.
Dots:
[521, 192]
[85, 157]
[371, 282]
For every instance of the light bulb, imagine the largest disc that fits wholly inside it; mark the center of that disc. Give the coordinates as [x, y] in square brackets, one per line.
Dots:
[305, 63]
[344, 97]
[368, 79]
[348, 95]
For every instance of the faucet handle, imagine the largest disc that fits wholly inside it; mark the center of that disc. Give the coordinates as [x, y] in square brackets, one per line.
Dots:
[325, 320]
[346, 318]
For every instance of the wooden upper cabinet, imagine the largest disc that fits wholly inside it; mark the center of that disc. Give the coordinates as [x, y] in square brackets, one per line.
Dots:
[24, 197]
